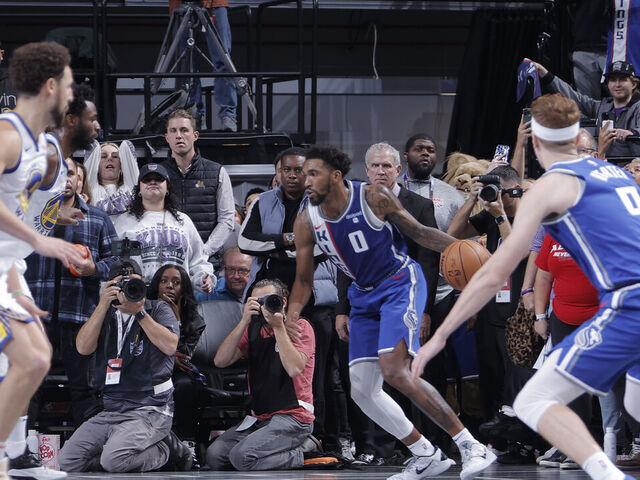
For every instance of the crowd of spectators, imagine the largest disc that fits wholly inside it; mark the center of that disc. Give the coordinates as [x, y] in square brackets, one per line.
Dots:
[143, 333]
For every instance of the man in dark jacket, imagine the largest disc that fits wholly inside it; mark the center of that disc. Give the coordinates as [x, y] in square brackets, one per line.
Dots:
[202, 186]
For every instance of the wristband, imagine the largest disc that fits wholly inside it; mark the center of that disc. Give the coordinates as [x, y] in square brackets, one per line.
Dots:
[526, 290]
[15, 293]
[140, 315]
[540, 317]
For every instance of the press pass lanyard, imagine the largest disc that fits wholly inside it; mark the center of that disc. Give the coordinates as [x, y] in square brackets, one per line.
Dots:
[122, 336]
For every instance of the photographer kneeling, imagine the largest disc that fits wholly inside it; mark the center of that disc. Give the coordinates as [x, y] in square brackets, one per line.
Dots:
[134, 340]
[280, 375]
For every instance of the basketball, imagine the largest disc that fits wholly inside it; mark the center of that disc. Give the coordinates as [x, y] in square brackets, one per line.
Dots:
[461, 260]
[85, 253]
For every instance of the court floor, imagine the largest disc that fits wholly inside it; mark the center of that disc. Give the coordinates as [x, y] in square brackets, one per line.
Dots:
[495, 472]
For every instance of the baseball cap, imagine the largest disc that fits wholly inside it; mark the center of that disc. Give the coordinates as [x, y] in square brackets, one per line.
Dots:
[622, 68]
[153, 168]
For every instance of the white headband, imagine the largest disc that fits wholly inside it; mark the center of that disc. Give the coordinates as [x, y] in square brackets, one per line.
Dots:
[555, 134]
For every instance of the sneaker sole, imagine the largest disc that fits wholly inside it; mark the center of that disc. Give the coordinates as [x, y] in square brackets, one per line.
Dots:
[443, 467]
[41, 474]
[491, 458]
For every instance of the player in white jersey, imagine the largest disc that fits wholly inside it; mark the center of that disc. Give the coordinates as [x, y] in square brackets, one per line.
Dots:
[40, 73]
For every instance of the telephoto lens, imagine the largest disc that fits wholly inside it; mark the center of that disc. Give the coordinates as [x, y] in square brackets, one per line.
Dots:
[273, 303]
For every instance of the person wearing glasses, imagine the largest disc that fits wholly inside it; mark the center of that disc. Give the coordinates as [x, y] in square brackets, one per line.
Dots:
[236, 274]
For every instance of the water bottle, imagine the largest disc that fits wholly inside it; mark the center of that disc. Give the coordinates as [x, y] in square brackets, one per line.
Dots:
[32, 442]
[610, 442]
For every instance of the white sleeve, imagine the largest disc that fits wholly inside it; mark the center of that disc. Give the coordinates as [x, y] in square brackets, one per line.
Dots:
[226, 213]
[198, 261]
[129, 164]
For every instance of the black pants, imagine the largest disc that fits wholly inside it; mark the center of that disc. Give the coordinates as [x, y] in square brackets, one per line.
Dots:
[559, 330]
[322, 320]
[78, 369]
[336, 423]
[186, 396]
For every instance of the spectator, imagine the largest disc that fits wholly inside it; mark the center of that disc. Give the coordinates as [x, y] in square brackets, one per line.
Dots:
[133, 371]
[268, 235]
[575, 300]
[203, 187]
[171, 283]
[239, 216]
[498, 378]
[251, 197]
[224, 92]
[222, 310]
[70, 298]
[80, 127]
[84, 190]
[280, 373]
[633, 167]
[112, 173]
[167, 235]
[622, 108]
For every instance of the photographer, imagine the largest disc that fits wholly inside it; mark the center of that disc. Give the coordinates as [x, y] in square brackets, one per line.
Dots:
[134, 340]
[280, 374]
[500, 380]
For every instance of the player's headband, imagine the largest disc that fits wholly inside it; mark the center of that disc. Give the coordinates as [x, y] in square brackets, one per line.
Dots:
[555, 134]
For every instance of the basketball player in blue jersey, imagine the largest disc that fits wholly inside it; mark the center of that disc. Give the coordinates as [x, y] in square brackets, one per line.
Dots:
[358, 227]
[592, 208]
[41, 75]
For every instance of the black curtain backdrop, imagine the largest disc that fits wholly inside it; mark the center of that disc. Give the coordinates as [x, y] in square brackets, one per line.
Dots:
[485, 112]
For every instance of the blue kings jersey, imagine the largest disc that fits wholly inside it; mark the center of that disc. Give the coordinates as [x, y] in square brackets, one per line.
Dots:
[624, 34]
[365, 248]
[602, 230]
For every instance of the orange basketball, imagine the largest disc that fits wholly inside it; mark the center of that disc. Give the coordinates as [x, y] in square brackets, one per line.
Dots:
[461, 260]
[85, 253]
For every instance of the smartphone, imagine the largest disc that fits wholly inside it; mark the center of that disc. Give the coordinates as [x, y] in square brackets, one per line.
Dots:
[607, 125]
[526, 115]
[502, 150]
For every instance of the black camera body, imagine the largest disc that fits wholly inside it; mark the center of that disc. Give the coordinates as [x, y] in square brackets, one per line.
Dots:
[491, 188]
[272, 303]
[134, 289]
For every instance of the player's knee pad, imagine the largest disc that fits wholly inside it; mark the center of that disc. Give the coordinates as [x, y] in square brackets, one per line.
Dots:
[632, 398]
[366, 391]
[546, 388]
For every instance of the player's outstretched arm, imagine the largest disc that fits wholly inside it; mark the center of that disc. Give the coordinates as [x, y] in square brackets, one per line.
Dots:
[551, 194]
[304, 239]
[386, 206]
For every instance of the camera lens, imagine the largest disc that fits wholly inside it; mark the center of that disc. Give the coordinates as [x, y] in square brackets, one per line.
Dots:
[134, 289]
[273, 303]
[489, 193]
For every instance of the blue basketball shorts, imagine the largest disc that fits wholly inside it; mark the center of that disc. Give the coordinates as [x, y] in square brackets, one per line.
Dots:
[607, 346]
[380, 318]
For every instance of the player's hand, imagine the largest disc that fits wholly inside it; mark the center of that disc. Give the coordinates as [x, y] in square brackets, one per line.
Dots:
[183, 361]
[527, 300]
[342, 327]
[69, 216]
[541, 327]
[58, 248]
[13, 284]
[425, 328]
[293, 329]
[426, 353]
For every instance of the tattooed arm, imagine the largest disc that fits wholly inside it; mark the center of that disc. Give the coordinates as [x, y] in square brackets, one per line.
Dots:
[386, 206]
[304, 239]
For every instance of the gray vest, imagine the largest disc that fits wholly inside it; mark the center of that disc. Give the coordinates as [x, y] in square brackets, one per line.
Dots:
[272, 213]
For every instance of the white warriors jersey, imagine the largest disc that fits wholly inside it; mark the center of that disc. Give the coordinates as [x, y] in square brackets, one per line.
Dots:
[17, 186]
[42, 211]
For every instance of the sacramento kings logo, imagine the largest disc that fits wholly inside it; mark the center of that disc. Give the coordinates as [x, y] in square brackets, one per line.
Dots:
[588, 338]
[50, 212]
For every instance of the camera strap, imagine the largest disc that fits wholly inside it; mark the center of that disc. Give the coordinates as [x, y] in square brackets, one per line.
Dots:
[122, 336]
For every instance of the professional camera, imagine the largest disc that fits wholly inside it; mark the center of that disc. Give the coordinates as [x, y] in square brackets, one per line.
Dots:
[491, 189]
[273, 303]
[134, 289]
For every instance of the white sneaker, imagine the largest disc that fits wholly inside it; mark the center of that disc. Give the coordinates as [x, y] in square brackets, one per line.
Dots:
[4, 465]
[475, 458]
[418, 468]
